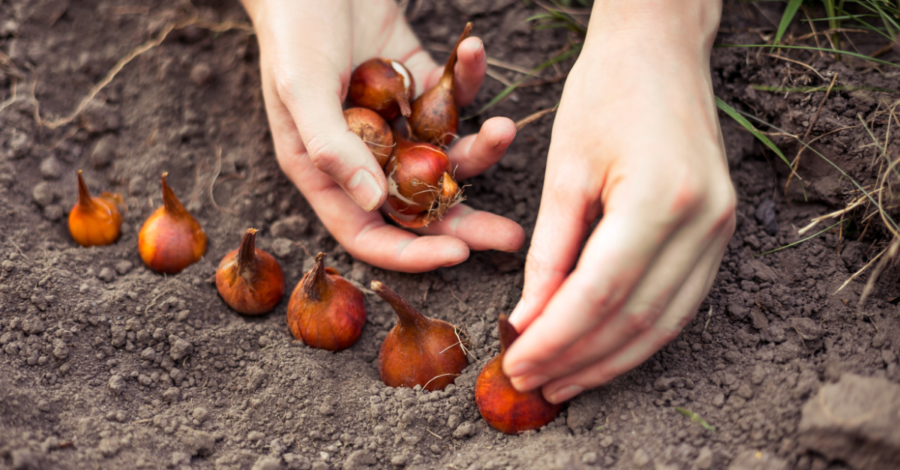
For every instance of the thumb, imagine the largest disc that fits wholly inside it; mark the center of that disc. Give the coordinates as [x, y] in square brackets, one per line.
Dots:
[315, 107]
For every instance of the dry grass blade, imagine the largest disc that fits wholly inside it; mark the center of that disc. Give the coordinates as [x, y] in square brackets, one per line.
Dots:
[534, 117]
[861, 270]
[888, 257]
[497, 76]
[853, 205]
[137, 51]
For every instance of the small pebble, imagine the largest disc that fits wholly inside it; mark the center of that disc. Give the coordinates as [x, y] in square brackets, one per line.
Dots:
[53, 212]
[107, 275]
[122, 267]
[202, 74]
[43, 194]
[50, 168]
[104, 152]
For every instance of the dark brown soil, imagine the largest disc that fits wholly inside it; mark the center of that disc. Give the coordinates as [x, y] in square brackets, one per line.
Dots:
[105, 364]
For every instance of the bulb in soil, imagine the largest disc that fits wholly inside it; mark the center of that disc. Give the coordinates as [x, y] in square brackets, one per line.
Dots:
[95, 221]
[326, 311]
[418, 350]
[384, 86]
[502, 406]
[373, 130]
[249, 279]
[420, 182]
[171, 239]
[435, 115]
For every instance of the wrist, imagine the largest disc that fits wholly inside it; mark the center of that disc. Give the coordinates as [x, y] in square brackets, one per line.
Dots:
[677, 29]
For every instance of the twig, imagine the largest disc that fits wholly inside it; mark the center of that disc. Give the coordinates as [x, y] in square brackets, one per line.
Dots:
[534, 117]
[12, 96]
[870, 284]
[806, 135]
[92, 93]
[854, 204]
[857, 273]
[436, 377]
[497, 76]
[796, 62]
[212, 183]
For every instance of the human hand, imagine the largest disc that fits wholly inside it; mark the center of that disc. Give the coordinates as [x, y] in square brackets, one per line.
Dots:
[637, 139]
[308, 49]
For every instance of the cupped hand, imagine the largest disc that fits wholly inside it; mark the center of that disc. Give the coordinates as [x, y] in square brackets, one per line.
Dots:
[637, 140]
[308, 50]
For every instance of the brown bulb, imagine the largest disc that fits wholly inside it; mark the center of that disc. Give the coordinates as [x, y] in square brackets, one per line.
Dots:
[420, 182]
[326, 311]
[373, 130]
[384, 86]
[171, 239]
[418, 350]
[502, 406]
[249, 279]
[95, 221]
[435, 115]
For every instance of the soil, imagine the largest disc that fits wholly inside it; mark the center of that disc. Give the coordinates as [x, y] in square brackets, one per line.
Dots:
[105, 364]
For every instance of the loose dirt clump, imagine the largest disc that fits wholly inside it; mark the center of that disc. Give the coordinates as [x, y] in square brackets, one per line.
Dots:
[105, 364]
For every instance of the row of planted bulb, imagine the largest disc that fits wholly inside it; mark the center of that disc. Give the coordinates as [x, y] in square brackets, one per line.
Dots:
[325, 310]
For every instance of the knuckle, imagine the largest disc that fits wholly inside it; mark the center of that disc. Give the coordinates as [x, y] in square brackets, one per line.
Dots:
[323, 154]
[283, 82]
[637, 323]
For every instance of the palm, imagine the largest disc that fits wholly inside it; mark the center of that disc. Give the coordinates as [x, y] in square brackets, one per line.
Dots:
[342, 40]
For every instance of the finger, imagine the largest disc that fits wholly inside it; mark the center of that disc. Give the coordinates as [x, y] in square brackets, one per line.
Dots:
[680, 312]
[686, 257]
[623, 243]
[469, 72]
[473, 154]
[479, 230]
[562, 223]
[332, 147]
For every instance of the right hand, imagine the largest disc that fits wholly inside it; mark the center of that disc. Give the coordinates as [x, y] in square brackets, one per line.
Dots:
[308, 50]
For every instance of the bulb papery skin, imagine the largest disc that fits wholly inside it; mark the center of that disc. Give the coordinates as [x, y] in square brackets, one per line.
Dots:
[171, 239]
[384, 86]
[250, 280]
[418, 350]
[326, 311]
[420, 183]
[435, 115]
[501, 405]
[94, 221]
[414, 175]
[373, 130]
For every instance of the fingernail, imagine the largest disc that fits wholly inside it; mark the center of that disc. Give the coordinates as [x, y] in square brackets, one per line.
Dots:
[517, 311]
[528, 383]
[520, 368]
[364, 190]
[565, 393]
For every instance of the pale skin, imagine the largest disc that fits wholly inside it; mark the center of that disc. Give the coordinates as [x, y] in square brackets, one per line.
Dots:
[636, 140]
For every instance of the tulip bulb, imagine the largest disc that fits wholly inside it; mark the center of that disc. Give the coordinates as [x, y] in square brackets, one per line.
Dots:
[502, 406]
[171, 239]
[95, 221]
[418, 350]
[420, 182]
[435, 115]
[373, 130]
[326, 311]
[384, 86]
[249, 279]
